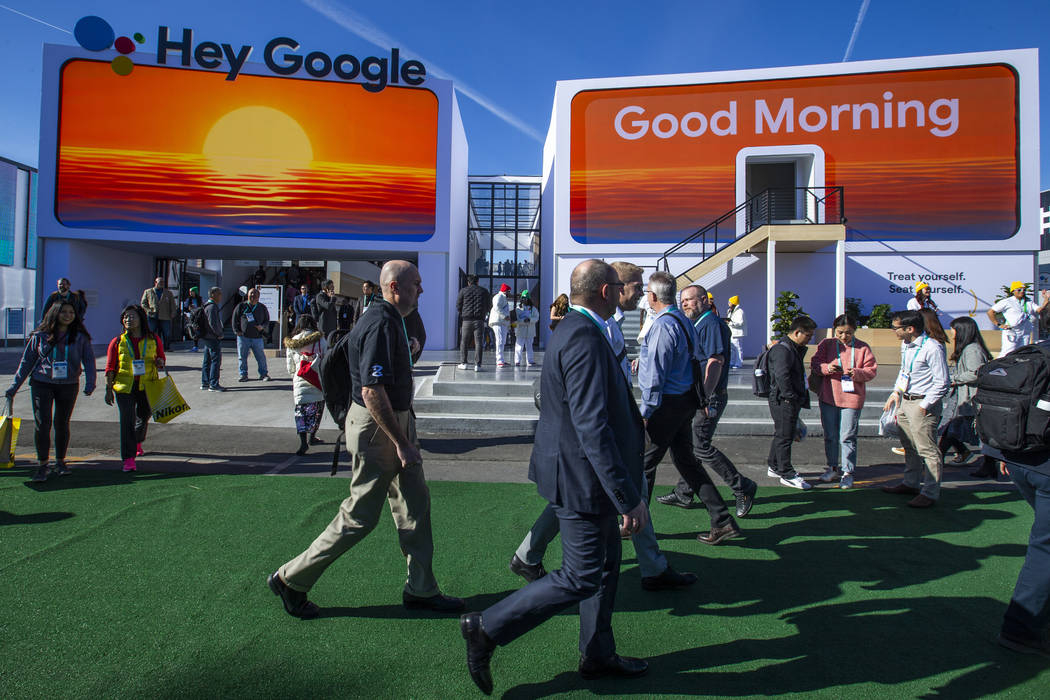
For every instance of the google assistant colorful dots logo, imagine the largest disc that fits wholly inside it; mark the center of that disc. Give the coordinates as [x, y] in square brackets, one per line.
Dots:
[95, 34]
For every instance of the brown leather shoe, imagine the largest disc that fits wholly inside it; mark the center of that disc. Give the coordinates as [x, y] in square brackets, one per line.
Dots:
[921, 501]
[901, 490]
[717, 535]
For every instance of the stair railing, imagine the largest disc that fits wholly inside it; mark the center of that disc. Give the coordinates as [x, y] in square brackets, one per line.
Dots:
[803, 205]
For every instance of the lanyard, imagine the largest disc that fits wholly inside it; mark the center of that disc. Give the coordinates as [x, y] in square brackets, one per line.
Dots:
[131, 348]
[54, 351]
[603, 327]
[251, 309]
[917, 350]
[702, 317]
[853, 353]
[408, 342]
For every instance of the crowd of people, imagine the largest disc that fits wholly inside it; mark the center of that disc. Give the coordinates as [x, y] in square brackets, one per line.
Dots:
[597, 469]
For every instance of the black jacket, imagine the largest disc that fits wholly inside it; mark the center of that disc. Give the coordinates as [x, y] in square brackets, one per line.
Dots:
[325, 313]
[473, 303]
[242, 326]
[787, 373]
[591, 461]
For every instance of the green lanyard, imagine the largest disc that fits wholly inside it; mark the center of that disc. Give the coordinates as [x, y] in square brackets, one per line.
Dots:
[54, 351]
[853, 353]
[601, 326]
[702, 317]
[408, 342]
[131, 348]
[917, 350]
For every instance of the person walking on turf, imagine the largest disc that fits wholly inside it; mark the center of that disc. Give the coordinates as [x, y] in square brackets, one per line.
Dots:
[134, 356]
[921, 384]
[52, 361]
[713, 336]
[590, 469]
[381, 438]
[669, 403]
[788, 395]
[657, 574]
[471, 306]
[251, 321]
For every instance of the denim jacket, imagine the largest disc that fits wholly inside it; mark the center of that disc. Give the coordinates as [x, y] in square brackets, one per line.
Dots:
[38, 356]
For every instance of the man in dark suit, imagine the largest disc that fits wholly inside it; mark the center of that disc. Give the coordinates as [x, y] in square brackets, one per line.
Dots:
[591, 474]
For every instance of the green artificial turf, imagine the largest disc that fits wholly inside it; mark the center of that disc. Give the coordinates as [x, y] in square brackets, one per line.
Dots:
[153, 586]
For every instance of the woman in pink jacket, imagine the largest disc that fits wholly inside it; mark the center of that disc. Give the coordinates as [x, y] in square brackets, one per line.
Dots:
[846, 365]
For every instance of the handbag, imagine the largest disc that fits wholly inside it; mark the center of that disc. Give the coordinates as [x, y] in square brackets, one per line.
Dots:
[9, 426]
[816, 382]
[307, 369]
[165, 401]
[888, 424]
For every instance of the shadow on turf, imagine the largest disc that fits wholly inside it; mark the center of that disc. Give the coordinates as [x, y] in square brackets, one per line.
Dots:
[7, 518]
[884, 642]
[868, 541]
[399, 612]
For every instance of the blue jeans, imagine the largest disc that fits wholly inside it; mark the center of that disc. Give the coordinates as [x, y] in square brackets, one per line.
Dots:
[1029, 611]
[256, 346]
[840, 436]
[161, 328]
[211, 362]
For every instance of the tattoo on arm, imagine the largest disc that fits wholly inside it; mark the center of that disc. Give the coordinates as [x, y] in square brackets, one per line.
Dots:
[378, 404]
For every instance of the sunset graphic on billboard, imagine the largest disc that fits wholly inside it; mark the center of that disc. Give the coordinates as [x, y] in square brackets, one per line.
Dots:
[185, 151]
[933, 156]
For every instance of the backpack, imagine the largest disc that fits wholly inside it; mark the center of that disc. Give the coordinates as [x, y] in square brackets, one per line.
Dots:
[1013, 400]
[195, 327]
[334, 371]
[761, 384]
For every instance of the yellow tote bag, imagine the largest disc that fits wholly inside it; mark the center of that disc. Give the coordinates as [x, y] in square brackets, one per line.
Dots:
[165, 400]
[8, 439]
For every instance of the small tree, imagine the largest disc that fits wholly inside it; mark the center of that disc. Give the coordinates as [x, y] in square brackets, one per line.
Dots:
[787, 310]
[880, 316]
[853, 310]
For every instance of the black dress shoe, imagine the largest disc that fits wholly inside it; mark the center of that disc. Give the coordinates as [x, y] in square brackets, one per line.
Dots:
[437, 603]
[479, 651]
[673, 499]
[745, 499]
[717, 535]
[667, 580]
[295, 602]
[529, 572]
[615, 665]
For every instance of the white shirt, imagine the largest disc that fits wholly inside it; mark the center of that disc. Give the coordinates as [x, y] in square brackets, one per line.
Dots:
[650, 316]
[613, 334]
[736, 322]
[924, 369]
[1018, 314]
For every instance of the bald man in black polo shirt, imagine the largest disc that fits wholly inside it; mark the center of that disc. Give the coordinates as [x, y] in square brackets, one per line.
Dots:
[381, 438]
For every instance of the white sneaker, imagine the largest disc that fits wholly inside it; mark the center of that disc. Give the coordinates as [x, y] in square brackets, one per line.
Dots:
[772, 474]
[462, 365]
[830, 474]
[897, 451]
[796, 482]
[846, 482]
[477, 368]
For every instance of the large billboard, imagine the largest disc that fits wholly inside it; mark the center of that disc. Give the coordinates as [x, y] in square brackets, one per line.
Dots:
[923, 154]
[173, 150]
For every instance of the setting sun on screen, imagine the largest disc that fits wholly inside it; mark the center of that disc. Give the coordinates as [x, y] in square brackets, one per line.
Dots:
[257, 140]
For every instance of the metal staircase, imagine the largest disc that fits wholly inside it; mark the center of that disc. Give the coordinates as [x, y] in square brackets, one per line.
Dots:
[802, 217]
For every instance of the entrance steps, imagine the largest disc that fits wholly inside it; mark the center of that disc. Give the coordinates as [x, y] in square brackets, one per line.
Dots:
[499, 403]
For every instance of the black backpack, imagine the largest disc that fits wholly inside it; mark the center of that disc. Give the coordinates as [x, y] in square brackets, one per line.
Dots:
[1013, 400]
[334, 371]
[761, 383]
[197, 323]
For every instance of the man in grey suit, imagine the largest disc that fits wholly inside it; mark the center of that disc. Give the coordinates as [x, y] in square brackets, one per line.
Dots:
[591, 474]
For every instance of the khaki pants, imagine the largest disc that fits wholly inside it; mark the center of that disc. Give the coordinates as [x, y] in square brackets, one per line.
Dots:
[919, 438]
[377, 475]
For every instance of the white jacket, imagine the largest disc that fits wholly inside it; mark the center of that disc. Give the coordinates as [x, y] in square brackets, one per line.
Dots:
[304, 342]
[526, 323]
[499, 315]
[736, 323]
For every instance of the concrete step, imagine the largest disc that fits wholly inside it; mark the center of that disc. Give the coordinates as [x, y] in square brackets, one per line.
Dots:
[497, 406]
[474, 424]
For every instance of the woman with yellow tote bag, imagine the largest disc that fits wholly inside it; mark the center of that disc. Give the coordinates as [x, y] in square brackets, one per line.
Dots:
[133, 359]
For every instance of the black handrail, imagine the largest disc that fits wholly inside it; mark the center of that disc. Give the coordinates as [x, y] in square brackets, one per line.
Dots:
[804, 205]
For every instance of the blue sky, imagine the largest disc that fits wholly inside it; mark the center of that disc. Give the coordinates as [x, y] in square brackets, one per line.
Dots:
[505, 57]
